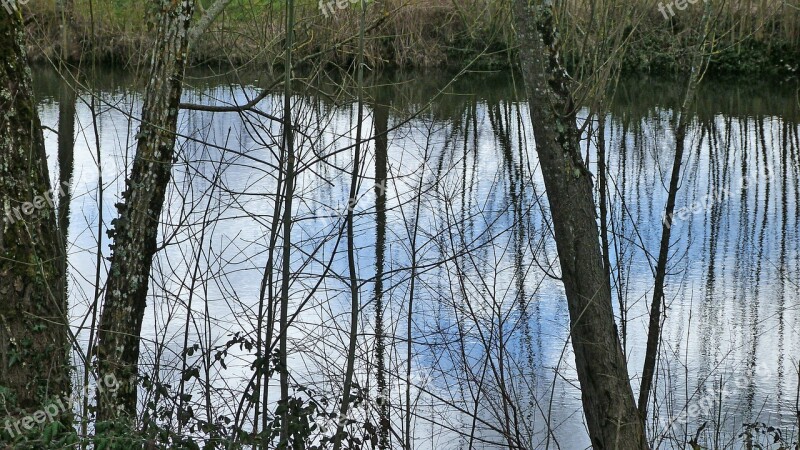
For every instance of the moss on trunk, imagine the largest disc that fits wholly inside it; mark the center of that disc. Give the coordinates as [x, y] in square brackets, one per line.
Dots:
[136, 228]
[611, 415]
[34, 365]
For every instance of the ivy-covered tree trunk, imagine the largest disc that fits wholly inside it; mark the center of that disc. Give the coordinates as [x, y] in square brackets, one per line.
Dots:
[611, 415]
[34, 344]
[135, 229]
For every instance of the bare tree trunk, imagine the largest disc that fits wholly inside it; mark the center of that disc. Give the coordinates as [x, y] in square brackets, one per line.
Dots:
[34, 344]
[355, 305]
[611, 416]
[699, 66]
[208, 18]
[289, 156]
[657, 303]
[135, 229]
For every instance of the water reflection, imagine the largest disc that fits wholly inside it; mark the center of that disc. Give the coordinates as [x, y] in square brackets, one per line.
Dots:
[490, 361]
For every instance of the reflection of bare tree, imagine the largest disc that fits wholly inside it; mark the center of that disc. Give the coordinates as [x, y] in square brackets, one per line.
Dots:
[380, 132]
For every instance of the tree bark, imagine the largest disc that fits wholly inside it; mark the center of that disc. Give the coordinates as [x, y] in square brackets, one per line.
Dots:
[34, 344]
[611, 415]
[208, 18]
[657, 303]
[657, 312]
[135, 229]
[288, 155]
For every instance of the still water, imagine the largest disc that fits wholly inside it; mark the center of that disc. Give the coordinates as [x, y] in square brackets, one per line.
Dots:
[451, 229]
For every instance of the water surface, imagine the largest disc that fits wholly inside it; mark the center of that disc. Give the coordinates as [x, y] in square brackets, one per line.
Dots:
[460, 195]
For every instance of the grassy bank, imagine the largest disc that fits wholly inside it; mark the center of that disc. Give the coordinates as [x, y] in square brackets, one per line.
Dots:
[752, 36]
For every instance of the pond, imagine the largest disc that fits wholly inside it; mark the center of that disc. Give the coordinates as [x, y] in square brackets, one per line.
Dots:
[454, 251]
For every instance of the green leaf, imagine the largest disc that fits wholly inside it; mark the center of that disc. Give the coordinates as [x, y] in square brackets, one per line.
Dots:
[49, 431]
[13, 359]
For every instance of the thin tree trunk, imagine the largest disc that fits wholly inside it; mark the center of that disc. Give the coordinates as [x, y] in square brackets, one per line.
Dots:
[611, 416]
[656, 305]
[351, 244]
[699, 65]
[98, 257]
[289, 155]
[136, 227]
[34, 344]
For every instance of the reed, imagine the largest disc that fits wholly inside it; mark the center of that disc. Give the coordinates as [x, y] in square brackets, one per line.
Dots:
[751, 35]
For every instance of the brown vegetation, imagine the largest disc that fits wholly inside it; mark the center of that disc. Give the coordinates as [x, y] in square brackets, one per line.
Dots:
[763, 35]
